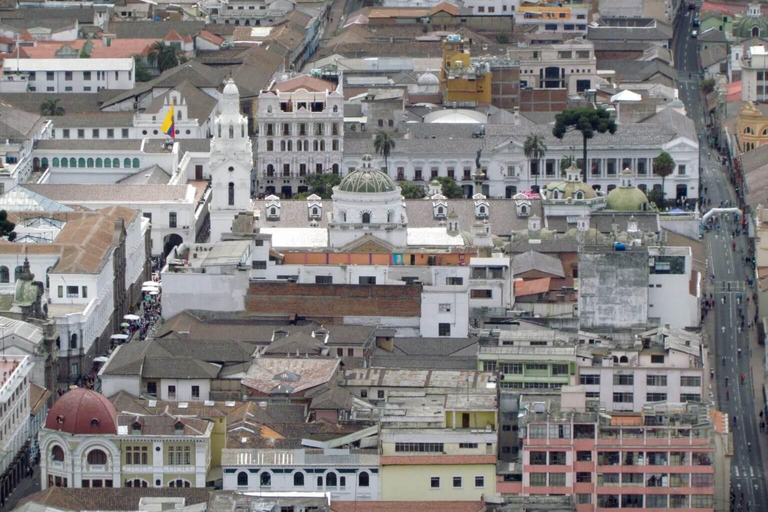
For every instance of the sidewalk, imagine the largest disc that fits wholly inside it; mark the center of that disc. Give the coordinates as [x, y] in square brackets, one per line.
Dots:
[27, 486]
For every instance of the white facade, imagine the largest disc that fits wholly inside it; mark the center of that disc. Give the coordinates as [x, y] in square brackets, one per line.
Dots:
[547, 18]
[231, 164]
[246, 12]
[356, 215]
[354, 479]
[16, 155]
[492, 7]
[754, 74]
[490, 284]
[74, 75]
[148, 124]
[508, 171]
[674, 288]
[300, 133]
[15, 406]
[571, 65]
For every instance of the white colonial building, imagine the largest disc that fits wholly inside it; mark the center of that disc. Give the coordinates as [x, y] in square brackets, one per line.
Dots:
[14, 419]
[231, 163]
[456, 151]
[348, 474]
[86, 443]
[301, 132]
[72, 75]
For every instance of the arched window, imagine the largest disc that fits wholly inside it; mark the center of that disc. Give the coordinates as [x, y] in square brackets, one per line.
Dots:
[748, 130]
[579, 195]
[623, 359]
[47, 277]
[137, 482]
[90, 162]
[127, 163]
[270, 170]
[440, 210]
[315, 145]
[80, 162]
[242, 130]
[17, 272]
[330, 480]
[231, 194]
[290, 145]
[57, 454]
[242, 479]
[115, 163]
[108, 163]
[136, 163]
[73, 345]
[282, 145]
[265, 479]
[335, 109]
[366, 218]
[99, 162]
[219, 131]
[270, 145]
[364, 479]
[298, 479]
[615, 360]
[44, 163]
[55, 162]
[755, 31]
[381, 123]
[273, 212]
[73, 162]
[231, 131]
[179, 483]
[335, 168]
[322, 145]
[314, 211]
[178, 115]
[482, 210]
[306, 145]
[97, 457]
[390, 214]
[4, 275]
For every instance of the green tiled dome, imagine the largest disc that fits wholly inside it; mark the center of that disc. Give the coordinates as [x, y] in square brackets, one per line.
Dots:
[367, 180]
[627, 199]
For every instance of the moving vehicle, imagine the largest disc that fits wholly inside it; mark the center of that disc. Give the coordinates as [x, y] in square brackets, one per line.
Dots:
[694, 33]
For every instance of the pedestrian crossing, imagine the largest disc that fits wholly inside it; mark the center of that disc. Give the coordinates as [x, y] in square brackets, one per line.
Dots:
[730, 286]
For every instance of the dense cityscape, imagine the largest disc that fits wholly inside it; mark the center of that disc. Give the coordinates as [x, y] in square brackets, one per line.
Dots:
[383, 255]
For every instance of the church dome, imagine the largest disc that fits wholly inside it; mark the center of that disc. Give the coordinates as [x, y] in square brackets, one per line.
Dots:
[571, 188]
[231, 88]
[367, 180]
[627, 198]
[428, 79]
[82, 411]
[752, 24]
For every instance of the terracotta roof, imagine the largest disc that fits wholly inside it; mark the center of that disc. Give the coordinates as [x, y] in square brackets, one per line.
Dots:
[173, 36]
[122, 498]
[82, 411]
[213, 38]
[118, 48]
[407, 506]
[734, 91]
[307, 82]
[444, 7]
[442, 460]
[532, 287]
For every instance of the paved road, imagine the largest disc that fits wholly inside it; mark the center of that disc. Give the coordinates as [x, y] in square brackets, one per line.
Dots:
[735, 399]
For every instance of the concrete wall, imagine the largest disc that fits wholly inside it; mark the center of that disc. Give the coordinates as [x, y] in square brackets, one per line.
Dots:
[613, 289]
[213, 292]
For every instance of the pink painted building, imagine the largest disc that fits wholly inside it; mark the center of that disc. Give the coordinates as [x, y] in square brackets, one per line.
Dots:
[663, 457]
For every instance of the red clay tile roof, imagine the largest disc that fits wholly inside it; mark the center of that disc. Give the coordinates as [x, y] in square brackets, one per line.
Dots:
[532, 287]
[82, 411]
[118, 48]
[307, 82]
[208, 36]
[445, 6]
[173, 36]
[407, 506]
[443, 460]
[123, 498]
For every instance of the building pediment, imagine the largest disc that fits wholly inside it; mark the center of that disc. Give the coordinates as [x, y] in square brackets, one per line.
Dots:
[370, 244]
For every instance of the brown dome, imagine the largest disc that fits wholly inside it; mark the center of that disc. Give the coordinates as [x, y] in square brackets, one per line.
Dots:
[82, 411]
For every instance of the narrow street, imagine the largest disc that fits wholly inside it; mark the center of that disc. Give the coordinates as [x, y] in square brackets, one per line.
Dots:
[735, 398]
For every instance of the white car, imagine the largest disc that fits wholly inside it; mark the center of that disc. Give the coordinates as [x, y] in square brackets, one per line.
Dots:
[694, 33]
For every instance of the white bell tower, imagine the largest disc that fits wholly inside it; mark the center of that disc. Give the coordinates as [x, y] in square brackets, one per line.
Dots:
[231, 163]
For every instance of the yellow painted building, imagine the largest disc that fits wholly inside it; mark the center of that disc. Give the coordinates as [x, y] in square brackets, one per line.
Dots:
[545, 12]
[461, 80]
[752, 126]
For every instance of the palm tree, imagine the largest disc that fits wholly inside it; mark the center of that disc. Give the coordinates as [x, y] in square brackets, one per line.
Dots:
[51, 108]
[383, 144]
[164, 57]
[663, 165]
[534, 149]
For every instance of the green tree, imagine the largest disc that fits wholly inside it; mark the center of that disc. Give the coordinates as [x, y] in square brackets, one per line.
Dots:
[663, 165]
[655, 197]
[142, 71]
[502, 39]
[7, 227]
[587, 121]
[707, 85]
[450, 189]
[383, 144]
[165, 57]
[534, 149]
[322, 184]
[412, 190]
[51, 108]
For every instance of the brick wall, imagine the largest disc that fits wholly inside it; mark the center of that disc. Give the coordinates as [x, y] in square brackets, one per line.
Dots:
[333, 300]
[543, 100]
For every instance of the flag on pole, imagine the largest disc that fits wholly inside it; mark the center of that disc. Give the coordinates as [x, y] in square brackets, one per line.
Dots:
[168, 126]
